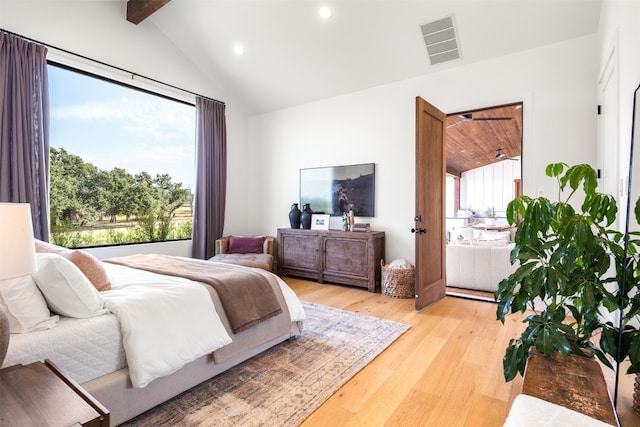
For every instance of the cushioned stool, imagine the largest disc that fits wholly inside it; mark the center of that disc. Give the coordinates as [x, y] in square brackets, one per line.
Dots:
[254, 252]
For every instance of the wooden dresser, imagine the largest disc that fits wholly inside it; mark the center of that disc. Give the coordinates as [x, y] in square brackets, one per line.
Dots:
[349, 258]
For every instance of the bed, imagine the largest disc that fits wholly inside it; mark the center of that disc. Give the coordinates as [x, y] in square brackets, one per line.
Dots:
[106, 346]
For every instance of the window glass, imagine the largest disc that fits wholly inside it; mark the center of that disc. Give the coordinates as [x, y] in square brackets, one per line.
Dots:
[122, 162]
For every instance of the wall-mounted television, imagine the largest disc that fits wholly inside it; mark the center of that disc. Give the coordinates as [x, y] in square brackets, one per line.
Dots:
[333, 189]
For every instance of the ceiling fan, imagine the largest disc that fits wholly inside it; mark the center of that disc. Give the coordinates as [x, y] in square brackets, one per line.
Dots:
[501, 156]
[468, 117]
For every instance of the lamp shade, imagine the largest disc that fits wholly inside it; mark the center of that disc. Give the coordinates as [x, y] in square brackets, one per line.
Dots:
[17, 248]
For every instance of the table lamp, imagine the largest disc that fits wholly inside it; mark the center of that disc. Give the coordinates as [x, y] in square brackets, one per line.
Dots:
[17, 255]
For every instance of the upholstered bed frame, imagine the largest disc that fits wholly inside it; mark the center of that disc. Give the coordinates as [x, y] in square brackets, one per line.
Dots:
[124, 401]
[84, 313]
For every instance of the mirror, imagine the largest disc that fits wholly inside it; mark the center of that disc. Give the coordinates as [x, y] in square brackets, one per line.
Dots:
[630, 225]
[633, 190]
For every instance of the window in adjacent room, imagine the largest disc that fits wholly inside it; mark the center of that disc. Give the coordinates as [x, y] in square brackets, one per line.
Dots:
[122, 162]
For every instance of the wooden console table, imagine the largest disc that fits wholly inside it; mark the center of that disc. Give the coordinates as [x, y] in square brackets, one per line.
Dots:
[349, 258]
[571, 381]
[39, 394]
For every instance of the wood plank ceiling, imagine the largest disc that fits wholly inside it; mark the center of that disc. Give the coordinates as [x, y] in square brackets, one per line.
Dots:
[473, 142]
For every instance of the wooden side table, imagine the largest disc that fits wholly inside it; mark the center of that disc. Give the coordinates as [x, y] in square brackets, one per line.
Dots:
[38, 394]
[571, 381]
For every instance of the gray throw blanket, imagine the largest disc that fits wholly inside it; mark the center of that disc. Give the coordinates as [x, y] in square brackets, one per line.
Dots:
[247, 296]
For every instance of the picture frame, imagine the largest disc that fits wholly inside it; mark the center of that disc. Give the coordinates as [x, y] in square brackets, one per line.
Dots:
[335, 223]
[335, 189]
[320, 221]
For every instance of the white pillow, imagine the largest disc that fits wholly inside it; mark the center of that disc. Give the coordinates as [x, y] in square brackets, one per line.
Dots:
[68, 292]
[26, 306]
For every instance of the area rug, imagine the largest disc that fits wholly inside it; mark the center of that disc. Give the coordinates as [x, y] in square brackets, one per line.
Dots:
[285, 384]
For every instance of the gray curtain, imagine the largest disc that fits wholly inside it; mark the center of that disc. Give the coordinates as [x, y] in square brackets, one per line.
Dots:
[211, 177]
[24, 128]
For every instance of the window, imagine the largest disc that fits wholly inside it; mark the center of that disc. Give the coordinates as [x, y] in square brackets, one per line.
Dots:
[122, 162]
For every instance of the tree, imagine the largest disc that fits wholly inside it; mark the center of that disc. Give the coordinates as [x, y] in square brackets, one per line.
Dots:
[66, 172]
[120, 201]
[81, 194]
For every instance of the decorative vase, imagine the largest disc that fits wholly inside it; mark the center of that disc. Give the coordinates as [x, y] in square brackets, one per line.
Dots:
[305, 216]
[294, 216]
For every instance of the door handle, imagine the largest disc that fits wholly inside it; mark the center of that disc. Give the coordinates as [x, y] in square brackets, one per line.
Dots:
[419, 230]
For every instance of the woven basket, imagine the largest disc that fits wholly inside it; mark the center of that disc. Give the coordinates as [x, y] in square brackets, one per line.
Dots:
[636, 395]
[398, 282]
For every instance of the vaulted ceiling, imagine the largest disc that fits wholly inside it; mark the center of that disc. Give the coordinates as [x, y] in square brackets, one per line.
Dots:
[292, 56]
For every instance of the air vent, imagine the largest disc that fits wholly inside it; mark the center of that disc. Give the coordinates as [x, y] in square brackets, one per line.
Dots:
[440, 39]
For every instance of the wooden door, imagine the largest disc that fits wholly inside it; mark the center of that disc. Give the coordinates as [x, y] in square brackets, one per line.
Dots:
[430, 203]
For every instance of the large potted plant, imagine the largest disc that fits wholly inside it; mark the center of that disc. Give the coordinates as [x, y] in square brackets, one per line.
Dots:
[571, 267]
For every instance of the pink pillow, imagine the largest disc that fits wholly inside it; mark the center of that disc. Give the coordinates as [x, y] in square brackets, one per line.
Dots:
[91, 268]
[87, 263]
[246, 245]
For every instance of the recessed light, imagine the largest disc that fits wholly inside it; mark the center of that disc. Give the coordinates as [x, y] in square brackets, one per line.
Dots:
[325, 12]
[238, 49]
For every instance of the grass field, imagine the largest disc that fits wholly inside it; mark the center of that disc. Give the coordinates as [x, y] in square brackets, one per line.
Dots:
[123, 231]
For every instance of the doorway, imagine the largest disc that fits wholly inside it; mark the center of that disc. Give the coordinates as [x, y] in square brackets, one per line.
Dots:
[484, 173]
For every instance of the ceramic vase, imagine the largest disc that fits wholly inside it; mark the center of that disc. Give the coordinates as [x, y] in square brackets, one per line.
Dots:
[294, 216]
[305, 217]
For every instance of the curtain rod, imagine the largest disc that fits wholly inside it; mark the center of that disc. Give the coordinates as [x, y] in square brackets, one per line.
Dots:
[133, 75]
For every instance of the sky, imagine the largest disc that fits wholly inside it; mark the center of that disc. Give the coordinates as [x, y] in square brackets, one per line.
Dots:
[110, 125]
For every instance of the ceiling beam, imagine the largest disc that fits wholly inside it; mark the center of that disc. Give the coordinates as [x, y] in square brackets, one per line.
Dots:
[139, 10]
[454, 172]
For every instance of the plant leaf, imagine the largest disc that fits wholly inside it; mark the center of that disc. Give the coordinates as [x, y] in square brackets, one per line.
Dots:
[544, 342]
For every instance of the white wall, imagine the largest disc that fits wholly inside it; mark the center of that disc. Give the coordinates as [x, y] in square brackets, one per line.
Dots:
[99, 30]
[177, 248]
[265, 153]
[489, 186]
[619, 27]
[556, 84]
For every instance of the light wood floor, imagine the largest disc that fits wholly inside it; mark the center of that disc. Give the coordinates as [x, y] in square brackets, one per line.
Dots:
[445, 371]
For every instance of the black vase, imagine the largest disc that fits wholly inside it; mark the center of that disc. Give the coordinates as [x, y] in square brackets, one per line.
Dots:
[294, 216]
[305, 217]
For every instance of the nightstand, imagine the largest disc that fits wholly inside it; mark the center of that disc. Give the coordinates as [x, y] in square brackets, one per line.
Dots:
[38, 394]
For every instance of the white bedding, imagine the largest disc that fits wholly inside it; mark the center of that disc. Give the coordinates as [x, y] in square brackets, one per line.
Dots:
[86, 349]
[159, 336]
[83, 349]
